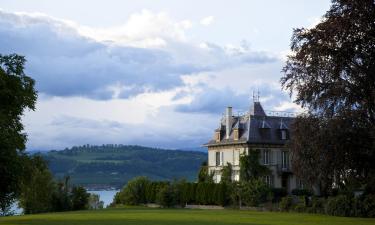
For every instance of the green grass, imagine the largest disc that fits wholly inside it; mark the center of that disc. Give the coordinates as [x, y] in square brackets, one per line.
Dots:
[147, 216]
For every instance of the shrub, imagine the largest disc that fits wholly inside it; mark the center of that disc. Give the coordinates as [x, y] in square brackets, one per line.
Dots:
[368, 206]
[286, 203]
[134, 193]
[317, 205]
[254, 192]
[301, 192]
[278, 193]
[341, 205]
[166, 197]
[301, 205]
[80, 198]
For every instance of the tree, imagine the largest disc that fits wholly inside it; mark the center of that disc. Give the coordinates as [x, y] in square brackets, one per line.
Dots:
[250, 168]
[203, 175]
[16, 95]
[166, 196]
[95, 203]
[80, 198]
[134, 193]
[37, 188]
[61, 198]
[226, 174]
[331, 71]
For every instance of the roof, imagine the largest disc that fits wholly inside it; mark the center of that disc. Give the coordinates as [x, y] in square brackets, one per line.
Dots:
[254, 127]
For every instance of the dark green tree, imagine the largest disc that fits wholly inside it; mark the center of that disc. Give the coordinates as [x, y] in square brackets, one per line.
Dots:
[16, 95]
[226, 174]
[166, 196]
[80, 198]
[61, 198]
[134, 193]
[250, 168]
[331, 71]
[203, 174]
[37, 188]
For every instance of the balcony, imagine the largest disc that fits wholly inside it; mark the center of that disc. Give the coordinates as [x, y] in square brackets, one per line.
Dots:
[283, 169]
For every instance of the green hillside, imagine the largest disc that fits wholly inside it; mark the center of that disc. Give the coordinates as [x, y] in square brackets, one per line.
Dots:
[113, 165]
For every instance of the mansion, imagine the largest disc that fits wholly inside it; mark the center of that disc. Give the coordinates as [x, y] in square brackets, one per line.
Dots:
[256, 129]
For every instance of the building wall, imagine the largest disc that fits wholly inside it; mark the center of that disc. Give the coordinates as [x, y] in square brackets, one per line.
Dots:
[231, 154]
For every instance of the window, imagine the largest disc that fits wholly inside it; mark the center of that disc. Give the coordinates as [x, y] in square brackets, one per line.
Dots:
[217, 136]
[266, 157]
[236, 157]
[268, 180]
[285, 159]
[283, 134]
[236, 134]
[300, 184]
[217, 158]
[236, 175]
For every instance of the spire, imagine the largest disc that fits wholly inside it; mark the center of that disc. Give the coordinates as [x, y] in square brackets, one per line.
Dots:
[256, 108]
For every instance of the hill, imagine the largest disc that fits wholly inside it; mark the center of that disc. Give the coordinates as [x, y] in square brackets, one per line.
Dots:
[111, 166]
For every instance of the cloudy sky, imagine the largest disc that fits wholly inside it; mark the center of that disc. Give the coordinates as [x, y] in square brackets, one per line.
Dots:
[155, 73]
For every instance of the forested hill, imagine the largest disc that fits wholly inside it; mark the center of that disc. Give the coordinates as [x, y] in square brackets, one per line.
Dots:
[113, 165]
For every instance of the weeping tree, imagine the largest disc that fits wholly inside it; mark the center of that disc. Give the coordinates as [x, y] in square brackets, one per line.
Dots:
[331, 73]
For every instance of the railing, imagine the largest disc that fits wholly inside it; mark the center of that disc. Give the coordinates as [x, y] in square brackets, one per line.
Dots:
[281, 113]
[283, 168]
[268, 113]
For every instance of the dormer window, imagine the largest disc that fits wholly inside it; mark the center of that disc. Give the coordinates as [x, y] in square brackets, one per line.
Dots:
[217, 136]
[283, 135]
[236, 134]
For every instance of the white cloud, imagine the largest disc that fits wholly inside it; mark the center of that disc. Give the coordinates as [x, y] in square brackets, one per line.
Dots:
[143, 82]
[207, 20]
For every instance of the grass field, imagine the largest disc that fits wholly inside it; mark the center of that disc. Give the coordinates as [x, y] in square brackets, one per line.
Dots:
[147, 216]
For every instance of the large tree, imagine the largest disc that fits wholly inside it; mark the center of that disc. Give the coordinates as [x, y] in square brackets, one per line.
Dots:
[16, 95]
[331, 73]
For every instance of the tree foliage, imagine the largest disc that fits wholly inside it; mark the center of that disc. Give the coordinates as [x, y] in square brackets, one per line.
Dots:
[37, 188]
[80, 198]
[250, 168]
[226, 174]
[16, 95]
[331, 71]
[204, 175]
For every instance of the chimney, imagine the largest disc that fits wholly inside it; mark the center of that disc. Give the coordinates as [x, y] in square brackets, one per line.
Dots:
[228, 121]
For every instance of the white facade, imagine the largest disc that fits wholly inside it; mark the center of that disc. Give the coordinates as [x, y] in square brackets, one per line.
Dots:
[277, 159]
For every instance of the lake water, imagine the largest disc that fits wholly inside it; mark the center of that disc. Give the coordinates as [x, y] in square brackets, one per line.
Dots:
[105, 196]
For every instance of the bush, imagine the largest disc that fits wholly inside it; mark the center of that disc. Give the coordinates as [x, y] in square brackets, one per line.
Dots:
[254, 192]
[80, 198]
[166, 197]
[301, 205]
[317, 205]
[368, 206]
[301, 192]
[278, 193]
[342, 205]
[286, 203]
[134, 193]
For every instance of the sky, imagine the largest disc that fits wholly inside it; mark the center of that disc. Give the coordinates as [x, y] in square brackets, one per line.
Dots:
[156, 73]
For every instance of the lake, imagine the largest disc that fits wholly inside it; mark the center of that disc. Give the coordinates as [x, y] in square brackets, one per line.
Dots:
[105, 196]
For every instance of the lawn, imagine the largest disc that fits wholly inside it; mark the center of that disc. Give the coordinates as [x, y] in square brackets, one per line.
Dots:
[145, 216]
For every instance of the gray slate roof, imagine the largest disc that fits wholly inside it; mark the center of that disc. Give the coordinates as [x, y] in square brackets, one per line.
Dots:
[255, 128]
